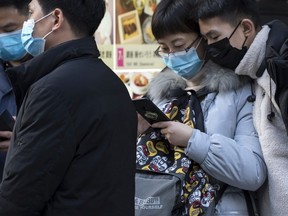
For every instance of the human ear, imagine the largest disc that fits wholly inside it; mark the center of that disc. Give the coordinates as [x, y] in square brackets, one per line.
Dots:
[248, 27]
[58, 19]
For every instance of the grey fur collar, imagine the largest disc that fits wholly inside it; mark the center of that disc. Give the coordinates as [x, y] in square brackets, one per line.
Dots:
[213, 77]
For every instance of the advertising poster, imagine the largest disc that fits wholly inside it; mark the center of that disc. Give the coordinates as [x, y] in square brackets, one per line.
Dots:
[135, 43]
[127, 45]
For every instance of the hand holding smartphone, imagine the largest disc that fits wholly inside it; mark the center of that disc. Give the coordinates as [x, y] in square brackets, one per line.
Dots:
[149, 111]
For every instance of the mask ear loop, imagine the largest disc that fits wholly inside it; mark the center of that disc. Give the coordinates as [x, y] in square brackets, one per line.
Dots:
[246, 37]
[204, 60]
[47, 34]
[235, 29]
[43, 17]
[199, 43]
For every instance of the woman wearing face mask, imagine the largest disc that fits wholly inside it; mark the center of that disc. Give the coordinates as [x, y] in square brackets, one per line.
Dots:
[228, 150]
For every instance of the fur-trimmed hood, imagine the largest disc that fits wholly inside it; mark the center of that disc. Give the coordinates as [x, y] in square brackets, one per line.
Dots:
[212, 76]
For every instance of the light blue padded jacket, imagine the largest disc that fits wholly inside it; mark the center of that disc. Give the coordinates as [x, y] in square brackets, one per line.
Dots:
[229, 150]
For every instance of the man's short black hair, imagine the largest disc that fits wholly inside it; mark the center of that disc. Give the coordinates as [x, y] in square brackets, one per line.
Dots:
[231, 11]
[84, 16]
[20, 5]
[172, 17]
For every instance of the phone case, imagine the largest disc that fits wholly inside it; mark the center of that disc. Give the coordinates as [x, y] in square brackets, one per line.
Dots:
[149, 111]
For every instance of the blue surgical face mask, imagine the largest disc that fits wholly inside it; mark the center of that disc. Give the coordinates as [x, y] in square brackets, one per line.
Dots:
[11, 48]
[185, 64]
[34, 46]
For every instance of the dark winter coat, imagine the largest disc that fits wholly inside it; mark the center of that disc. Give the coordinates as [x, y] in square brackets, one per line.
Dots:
[73, 146]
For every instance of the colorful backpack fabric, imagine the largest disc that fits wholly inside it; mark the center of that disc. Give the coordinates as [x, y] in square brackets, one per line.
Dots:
[167, 181]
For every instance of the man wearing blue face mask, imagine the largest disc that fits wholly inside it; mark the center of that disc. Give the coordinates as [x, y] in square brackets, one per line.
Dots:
[12, 15]
[34, 46]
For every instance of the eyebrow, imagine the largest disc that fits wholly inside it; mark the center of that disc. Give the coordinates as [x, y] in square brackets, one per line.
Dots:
[173, 41]
[178, 39]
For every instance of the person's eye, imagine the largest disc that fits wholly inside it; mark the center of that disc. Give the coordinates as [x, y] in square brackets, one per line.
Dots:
[9, 29]
[164, 49]
[180, 47]
[214, 37]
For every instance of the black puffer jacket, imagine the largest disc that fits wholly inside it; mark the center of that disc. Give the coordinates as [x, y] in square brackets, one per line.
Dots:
[73, 149]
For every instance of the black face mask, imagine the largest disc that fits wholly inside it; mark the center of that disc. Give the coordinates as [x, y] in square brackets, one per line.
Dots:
[222, 53]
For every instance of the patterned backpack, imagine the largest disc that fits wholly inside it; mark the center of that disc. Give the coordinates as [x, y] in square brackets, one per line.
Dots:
[167, 181]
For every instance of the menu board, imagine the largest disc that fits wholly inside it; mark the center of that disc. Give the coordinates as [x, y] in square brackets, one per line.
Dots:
[127, 44]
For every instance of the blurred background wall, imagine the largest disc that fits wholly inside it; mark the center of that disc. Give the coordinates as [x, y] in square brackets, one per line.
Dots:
[273, 9]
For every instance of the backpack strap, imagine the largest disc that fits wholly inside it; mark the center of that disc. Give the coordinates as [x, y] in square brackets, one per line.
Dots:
[195, 105]
[261, 69]
[249, 203]
[220, 193]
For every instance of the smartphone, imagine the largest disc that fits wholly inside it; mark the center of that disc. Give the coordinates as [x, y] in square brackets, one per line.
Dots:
[149, 111]
[6, 122]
